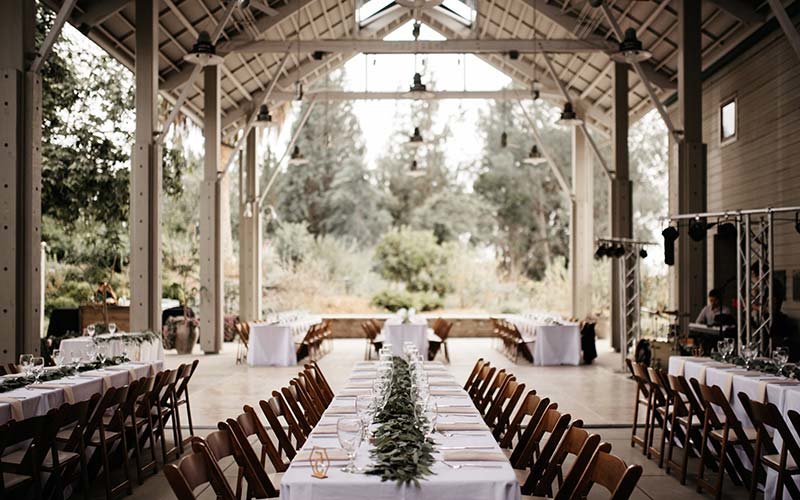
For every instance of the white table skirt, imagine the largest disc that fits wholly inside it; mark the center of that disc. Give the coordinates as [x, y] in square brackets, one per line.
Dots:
[37, 401]
[79, 347]
[552, 344]
[396, 332]
[732, 380]
[274, 344]
[444, 484]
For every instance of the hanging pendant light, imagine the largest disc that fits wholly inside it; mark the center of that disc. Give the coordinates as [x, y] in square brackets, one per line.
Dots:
[263, 119]
[568, 116]
[247, 213]
[418, 90]
[297, 157]
[415, 140]
[203, 52]
[504, 139]
[630, 49]
[534, 157]
[414, 170]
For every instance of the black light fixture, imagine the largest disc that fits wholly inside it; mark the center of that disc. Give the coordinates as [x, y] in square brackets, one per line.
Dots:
[513, 54]
[602, 251]
[726, 230]
[415, 140]
[643, 253]
[504, 139]
[203, 52]
[318, 55]
[697, 229]
[670, 234]
[619, 250]
[630, 49]
[297, 157]
[568, 116]
[263, 119]
[414, 170]
[418, 90]
[535, 157]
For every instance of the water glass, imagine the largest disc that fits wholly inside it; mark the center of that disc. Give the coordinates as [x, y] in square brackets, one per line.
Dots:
[37, 367]
[90, 330]
[112, 328]
[350, 432]
[781, 357]
[428, 413]
[365, 409]
[25, 363]
[58, 358]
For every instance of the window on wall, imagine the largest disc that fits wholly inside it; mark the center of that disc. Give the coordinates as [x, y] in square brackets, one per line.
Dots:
[727, 120]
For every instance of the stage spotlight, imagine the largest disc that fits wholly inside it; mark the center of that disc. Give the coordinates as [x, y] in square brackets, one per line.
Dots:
[697, 229]
[619, 251]
[726, 230]
[670, 234]
[600, 252]
[643, 253]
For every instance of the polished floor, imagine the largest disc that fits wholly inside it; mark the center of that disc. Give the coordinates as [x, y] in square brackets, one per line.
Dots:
[599, 394]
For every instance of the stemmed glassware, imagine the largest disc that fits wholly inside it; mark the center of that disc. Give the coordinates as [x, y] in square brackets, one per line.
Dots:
[37, 367]
[25, 363]
[90, 330]
[749, 351]
[781, 357]
[427, 412]
[112, 328]
[365, 407]
[102, 354]
[58, 357]
[350, 432]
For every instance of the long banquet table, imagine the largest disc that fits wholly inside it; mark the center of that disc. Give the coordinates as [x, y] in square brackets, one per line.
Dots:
[117, 344]
[550, 344]
[39, 399]
[780, 391]
[496, 481]
[273, 344]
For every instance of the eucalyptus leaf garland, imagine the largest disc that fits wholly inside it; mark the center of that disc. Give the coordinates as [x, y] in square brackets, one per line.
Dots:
[791, 370]
[401, 452]
[11, 383]
[128, 338]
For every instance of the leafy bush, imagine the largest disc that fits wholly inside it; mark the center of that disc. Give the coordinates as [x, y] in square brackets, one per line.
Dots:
[293, 242]
[393, 300]
[415, 259]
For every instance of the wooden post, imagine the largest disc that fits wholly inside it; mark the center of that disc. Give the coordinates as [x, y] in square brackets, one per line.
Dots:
[691, 255]
[581, 226]
[250, 237]
[145, 198]
[211, 291]
[621, 195]
[20, 183]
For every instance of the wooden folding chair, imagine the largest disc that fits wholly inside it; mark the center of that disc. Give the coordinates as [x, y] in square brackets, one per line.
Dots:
[610, 472]
[312, 408]
[662, 398]
[321, 382]
[685, 425]
[13, 485]
[729, 433]
[492, 390]
[197, 470]
[555, 425]
[29, 438]
[182, 394]
[785, 461]
[474, 373]
[532, 408]
[499, 414]
[308, 380]
[268, 448]
[274, 409]
[66, 462]
[643, 399]
[481, 383]
[577, 442]
[98, 435]
[259, 485]
[290, 397]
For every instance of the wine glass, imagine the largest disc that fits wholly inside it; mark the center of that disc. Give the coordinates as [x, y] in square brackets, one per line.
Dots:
[350, 432]
[781, 357]
[365, 409]
[76, 360]
[91, 352]
[112, 328]
[37, 367]
[58, 357]
[428, 413]
[25, 363]
[102, 354]
[722, 347]
[90, 330]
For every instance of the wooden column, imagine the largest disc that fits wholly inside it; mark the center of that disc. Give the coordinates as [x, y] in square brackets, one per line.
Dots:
[145, 197]
[621, 195]
[211, 292]
[581, 226]
[691, 256]
[250, 237]
[20, 183]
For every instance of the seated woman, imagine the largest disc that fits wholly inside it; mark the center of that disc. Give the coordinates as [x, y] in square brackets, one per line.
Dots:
[105, 293]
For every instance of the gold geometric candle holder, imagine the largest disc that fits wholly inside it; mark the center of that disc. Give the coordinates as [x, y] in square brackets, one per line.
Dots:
[320, 462]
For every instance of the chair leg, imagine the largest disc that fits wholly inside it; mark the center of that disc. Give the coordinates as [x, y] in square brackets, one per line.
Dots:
[756, 466]
[446, 352]
[635, 417]
[703, 447]
[189, 413]
[722, 455]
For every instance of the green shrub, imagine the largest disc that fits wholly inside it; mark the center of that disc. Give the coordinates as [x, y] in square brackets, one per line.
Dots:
[392, 300]
[415, 259]
[427, 301]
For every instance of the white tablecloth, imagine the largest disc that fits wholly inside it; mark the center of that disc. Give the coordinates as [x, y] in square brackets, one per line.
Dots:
[444, 484]
[733, 380]
[552, 344]
[38, 401]
[396, 332]
[274, 344]
[116, 345]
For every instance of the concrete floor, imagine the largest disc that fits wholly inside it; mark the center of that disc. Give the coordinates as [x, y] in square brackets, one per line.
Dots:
[599, 394]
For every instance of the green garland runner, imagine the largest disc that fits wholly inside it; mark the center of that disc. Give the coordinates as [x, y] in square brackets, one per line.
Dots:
[401, 452]
[128, 338]
[11, 383]
[762, 365]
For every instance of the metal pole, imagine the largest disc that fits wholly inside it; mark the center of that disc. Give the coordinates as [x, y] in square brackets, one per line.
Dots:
[734, 213]
[251, 120]
[289, 147]
[748, 280]
[771, 288]
[740, 302]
